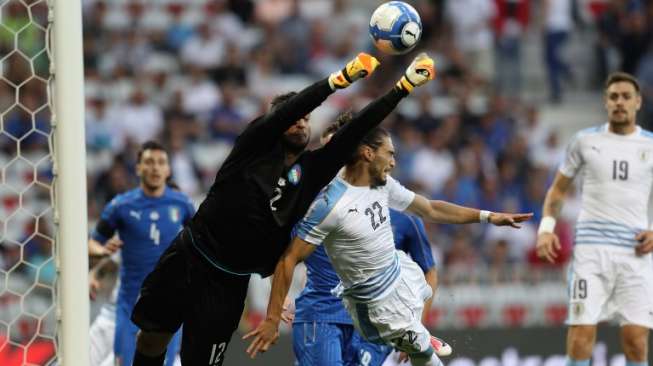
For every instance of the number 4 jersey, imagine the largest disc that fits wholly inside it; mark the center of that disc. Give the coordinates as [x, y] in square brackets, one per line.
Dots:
[617, 177]
[146, 225]
[353, 223]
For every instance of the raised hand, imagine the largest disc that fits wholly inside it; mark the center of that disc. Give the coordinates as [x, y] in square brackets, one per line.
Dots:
[361, 66]
[418, 73]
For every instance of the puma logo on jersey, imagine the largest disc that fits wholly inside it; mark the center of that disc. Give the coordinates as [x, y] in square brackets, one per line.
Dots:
[598, 151]
[135, 214]
[353, 210]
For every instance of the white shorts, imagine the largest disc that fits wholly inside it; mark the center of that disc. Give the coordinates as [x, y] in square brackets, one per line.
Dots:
[395, 319]
[610, 282]
[102, 333]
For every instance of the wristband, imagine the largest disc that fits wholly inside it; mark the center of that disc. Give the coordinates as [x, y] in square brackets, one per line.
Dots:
[484, 216]
[547, 225]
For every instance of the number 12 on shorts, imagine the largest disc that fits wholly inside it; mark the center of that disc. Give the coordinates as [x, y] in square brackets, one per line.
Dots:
[216, 353]
[579, 289]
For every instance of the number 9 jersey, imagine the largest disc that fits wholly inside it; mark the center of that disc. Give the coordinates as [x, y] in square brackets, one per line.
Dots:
[607, 279]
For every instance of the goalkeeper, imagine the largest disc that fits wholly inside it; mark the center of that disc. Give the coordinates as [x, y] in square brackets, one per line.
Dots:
[264, 187]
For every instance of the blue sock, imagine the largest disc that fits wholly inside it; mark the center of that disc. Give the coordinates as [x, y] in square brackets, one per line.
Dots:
[631, 363]
[572, 362]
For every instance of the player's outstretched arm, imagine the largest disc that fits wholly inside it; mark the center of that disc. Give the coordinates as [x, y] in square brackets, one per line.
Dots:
[548, 243]
[344, 143]
[448, 213]
[267, 128]
[267, 333]
[279, 119]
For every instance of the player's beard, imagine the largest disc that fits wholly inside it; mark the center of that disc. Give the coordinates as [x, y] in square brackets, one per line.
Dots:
[295, 143]
[619, 118]
[376, 178]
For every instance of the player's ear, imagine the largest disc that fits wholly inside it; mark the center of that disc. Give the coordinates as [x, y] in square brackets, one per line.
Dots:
[139, 172]
[368, 153]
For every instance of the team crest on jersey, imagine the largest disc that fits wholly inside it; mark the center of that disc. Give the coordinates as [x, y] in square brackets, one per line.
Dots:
[295, 174]
[644, 155]
[154, 215]
[578, 308]
[175, 216]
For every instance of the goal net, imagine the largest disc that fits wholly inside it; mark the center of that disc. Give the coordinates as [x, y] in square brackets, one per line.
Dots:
[28, 271]
[43, 260]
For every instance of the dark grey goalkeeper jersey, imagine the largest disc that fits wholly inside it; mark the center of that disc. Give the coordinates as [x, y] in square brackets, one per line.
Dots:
[244, 224]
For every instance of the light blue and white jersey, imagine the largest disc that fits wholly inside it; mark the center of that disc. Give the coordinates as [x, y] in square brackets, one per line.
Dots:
[353, 224]
[617, 177]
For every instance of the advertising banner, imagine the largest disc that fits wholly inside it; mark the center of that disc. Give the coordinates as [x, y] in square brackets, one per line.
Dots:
[476, 347]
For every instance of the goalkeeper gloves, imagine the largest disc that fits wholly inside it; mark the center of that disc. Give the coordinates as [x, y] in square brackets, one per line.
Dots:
[421, 70]
[361, 66]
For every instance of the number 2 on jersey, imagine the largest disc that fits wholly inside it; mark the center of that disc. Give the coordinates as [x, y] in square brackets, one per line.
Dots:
[370, 212]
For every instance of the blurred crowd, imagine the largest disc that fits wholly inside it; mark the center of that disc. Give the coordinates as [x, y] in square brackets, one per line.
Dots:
[193, 73]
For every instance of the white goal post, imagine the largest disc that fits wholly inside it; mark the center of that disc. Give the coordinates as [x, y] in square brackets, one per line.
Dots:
[70, 183]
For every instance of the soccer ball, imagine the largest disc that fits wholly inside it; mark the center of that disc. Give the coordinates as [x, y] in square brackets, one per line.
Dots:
[395, 27]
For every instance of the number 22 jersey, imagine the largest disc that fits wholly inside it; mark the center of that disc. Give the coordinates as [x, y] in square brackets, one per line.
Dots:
[353, 223]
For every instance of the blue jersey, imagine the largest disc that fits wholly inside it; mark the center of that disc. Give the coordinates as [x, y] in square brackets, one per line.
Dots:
[147, 226]
[316, 303]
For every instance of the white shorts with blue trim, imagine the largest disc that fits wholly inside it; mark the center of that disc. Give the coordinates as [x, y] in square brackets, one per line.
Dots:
[395, 319]
[608, 282]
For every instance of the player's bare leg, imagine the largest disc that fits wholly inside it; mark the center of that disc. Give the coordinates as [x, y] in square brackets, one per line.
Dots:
[151, 348]
[580, 342]
[634, 342]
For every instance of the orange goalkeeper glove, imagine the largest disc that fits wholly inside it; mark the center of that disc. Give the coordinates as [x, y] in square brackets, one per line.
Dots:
[361, 66]
[420, 71]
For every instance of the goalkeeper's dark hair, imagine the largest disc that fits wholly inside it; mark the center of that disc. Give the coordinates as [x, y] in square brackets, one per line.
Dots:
[342, 119]
[149, 145]
[620, 76]
[281, 98]
[373, 139]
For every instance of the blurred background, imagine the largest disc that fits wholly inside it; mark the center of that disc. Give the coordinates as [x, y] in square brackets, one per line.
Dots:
[514, 82]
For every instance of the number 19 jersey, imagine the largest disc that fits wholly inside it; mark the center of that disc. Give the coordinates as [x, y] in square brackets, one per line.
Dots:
[617, 177]
[606, 279]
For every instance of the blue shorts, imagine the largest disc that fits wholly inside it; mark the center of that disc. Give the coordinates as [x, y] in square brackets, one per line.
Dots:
[124, 343]
[322, 344]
